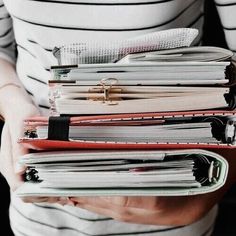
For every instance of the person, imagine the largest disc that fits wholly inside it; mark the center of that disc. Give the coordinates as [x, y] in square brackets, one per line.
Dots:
[35, 27]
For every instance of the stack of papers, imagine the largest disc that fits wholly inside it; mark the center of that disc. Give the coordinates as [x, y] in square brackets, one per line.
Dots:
[120, 106]
[181, 79]
[190, 132]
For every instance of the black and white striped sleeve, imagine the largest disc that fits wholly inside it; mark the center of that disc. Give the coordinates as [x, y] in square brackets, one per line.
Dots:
[227, 12]
[7, 41]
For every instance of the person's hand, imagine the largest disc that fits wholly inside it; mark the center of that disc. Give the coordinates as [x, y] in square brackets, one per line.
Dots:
[173, 211]
[11, 150]
[15, 106]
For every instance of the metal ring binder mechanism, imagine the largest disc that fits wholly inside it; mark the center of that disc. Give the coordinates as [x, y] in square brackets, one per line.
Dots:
[134, 117]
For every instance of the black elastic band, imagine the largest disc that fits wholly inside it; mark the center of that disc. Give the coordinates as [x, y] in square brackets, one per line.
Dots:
[58, 128]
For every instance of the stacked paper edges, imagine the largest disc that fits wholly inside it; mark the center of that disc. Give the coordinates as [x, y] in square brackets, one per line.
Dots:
[144, 95]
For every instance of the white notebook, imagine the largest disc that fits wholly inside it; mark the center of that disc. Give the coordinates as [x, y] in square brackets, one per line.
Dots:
[181, 79]
[76, 100]
[169, 173]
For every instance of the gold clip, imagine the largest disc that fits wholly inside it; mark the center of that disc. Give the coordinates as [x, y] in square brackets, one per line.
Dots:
[105, 90]
[107, 84]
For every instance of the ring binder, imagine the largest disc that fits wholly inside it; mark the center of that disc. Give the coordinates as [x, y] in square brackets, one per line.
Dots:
[171, 173]
[203, 166]
[216, 128]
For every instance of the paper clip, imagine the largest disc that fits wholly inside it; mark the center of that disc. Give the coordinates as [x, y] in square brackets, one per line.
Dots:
[106, 92]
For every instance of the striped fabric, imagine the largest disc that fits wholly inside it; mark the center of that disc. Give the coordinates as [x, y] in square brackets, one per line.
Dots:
[34, 27]
[55, 220]
[41, 25]
[227, 12]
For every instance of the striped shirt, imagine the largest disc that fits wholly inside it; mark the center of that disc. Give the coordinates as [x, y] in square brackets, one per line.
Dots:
[35, 27]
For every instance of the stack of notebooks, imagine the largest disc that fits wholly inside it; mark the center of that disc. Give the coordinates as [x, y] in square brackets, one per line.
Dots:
[134, 117]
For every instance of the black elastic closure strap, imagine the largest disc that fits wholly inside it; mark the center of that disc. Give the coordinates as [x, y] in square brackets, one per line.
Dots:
[58, 128]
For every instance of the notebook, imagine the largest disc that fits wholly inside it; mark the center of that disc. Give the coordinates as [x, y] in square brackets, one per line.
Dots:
[99, 173]
[212, 129]
[121, 110]
[199, 53]
[182, 79]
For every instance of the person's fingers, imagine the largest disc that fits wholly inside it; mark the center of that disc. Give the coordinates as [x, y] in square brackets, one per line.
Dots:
[17, 131]
[158, 211]
[99, 210]
[151, 203]
[125, 214]
[40, 199]
[141, 202]
[6, 160]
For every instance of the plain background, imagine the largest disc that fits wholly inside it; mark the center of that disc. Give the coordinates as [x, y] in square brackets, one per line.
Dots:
[226, 225]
